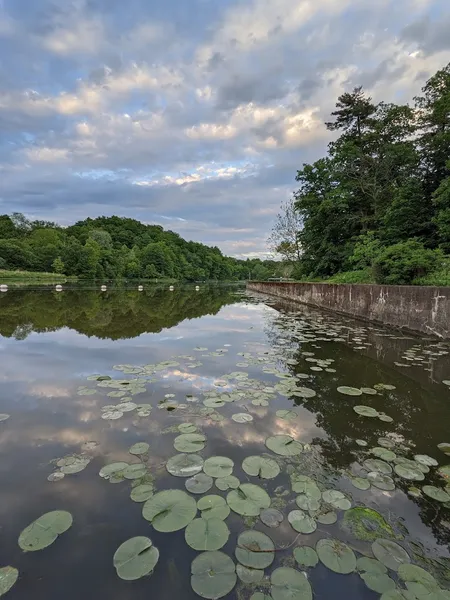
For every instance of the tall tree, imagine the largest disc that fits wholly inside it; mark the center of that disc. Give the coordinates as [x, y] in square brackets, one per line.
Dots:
[284, 238]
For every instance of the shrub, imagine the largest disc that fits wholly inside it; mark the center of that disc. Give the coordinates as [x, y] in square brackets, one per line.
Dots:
[405, 262]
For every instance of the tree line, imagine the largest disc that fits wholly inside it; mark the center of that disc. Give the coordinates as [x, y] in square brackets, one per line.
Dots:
[377, 206]
[116, 247]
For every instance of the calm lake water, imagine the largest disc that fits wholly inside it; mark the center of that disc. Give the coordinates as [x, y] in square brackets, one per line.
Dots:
[280, 357]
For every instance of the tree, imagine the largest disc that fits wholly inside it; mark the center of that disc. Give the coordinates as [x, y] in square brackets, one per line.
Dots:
[284, 238]
[58, 265]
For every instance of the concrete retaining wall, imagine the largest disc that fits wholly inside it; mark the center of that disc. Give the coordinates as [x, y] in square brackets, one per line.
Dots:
[415, 308]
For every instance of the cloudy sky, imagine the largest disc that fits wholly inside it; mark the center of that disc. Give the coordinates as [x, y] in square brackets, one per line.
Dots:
[194, 114]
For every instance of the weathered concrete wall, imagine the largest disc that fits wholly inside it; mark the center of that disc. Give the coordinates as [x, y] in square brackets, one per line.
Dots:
[415, 308]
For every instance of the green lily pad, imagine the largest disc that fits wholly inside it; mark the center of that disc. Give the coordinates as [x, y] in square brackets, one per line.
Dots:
[141, 493]
[112, 415]
[445, 448]
[218, 466]
[336, 555]
[409, 472]
[213, 507]
[187, 428]
[385, 418]
[360, 483]
[301, 522]
[384, 386]
[305, 392]
[207, 534]
[302, 484]
[184, 465]
[416, 574]
[199, 484]
[306, 502]
[369, 391]
[189, 442]
[135, 471]
[436, 493]
[260, 466]
[370, 565]
[284, 445]
[248, 500]
[139, 448]
[361, 443]
[170, 510]
[8, 577]
[290, 584]
[306, 556]
[381, 481]
[444, 472]
[384, 453]
[390, 554]
[365, 524]
[43, 531]
[135, 558]
[349, 391]
[336, 499]
[78, 465]
[112, 469]
[227, 483]
[287, 415]
[255, 549]
[365, 411]
[213, 575]
[373, 464]
[242, 417]
[424, 459]
[213, 402]
[378, 582]
[247, 575]
[271, 517]
[325, 516]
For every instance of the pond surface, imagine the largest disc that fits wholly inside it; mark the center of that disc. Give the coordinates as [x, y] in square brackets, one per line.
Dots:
[88, 374]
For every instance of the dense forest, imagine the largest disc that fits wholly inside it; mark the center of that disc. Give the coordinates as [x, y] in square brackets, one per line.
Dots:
[377, 207]
[115, 247]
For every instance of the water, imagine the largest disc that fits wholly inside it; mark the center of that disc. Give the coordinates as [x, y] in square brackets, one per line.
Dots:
[51, 342]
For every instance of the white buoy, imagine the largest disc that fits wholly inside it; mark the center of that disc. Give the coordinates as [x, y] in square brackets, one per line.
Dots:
[197, 287]
[58, 288]
[171, 288]
[103, 288]
[140, 288]
[3, 287]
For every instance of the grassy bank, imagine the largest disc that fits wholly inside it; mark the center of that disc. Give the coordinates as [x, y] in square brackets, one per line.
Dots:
[19, 277]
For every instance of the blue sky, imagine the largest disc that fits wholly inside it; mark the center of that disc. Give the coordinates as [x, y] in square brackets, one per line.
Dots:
[192, 114]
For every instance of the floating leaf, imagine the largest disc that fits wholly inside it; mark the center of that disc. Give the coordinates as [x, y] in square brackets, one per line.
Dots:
[301, 522]
[444, 472]
[436, 493]
[284, 445]
[369, 391]
[170, 510]
[139, 448]
[378, 582]
[372, 464]
[360, 483]
[386, 442]
[112, 415]
[445, 448]
[302, 484]
[8, 577]
[213, 402]
[112, 469]
[185, 465]
[306, 556]
[43, 531]
[141, 493]
[76, 466]
[381, 481]
[391, 554]
[409, 472]
[349, 391]
[190, 442]
[370, 565]
[226, 483]
[306, 502]
[135, 558]
[365, 411]
[361, 443]
[248, 500]
[255, 549]
[336, 499]
[424, 459]
[247, 575]
[290, 584]
[260, 596]
[213, 575]
[271, 517]
[385, 418]
[207, 534]
[384, 453]
[242, 417]
[213, 507]
[325, 516]
[218, 466]
[199, 484]
[135, 471]
[260, 466]
[305, 392]
[287, 415]
[336, 555]
[57, 476]
[187, 427]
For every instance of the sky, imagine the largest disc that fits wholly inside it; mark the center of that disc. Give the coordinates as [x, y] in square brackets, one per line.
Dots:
[192, 114]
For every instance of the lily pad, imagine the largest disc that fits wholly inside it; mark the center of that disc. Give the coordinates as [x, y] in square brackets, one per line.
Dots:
[305, 392]
[302, 484]
[301, 522]
[242, 417]
[378, 582]
[365, 524]
[170, 510]
[360, 483]
[306, 556]
[436, 493]
[336, 499]
[306, 502]
[445, 448]
[325, 516]
[248, 500]
[285, 445]
[135, 558]
[187, 427]
[213, 575]
[424, 459]
[444, 472]
[8, 577]
[207, 534]
[112, 469]
[218, 466]
[247, 575]
[213, 507]
[135, 471]
[260, 596]
[271, 517]
[381, 481]
[227, 483]
[365, 411]
[141, 493]
[373, 464]
[370, 565]
[390, 554]
[190, 442]
[199, 484]
[384, 453]
[139, 448]
[349, 391]
[287, 415]
[260, 466]
[255, 549]
[361, 443]
[409, 472]
[184, 465]
[336, 555]
[369, 391]
[290, 584]
[43, 531]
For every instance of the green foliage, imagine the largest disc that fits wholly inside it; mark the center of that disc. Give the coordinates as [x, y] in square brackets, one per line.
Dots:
[365, 251]
[58, 265]
[359, 276]
[402, 263]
